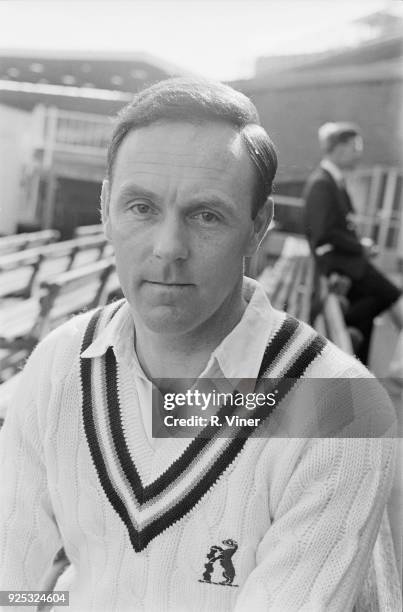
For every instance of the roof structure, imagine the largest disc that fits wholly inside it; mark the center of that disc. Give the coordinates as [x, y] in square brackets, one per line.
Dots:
[77, 80]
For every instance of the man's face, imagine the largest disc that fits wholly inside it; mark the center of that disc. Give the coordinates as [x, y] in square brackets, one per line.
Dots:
[178, 213]
[350, 153]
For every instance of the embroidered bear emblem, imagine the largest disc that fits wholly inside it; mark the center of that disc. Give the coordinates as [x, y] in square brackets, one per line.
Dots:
[224, 556]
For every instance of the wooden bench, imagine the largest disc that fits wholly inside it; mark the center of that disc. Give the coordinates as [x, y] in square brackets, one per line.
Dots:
[18, 242]
[59, 297]
[330, 320]
[289, 282]
[89, 230]
[20, 272]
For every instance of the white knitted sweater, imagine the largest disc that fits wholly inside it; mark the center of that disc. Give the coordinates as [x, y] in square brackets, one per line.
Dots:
[302, 514]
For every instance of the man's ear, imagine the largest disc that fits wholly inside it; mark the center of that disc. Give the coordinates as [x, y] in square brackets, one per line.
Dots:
[261, 224]
[105, 216]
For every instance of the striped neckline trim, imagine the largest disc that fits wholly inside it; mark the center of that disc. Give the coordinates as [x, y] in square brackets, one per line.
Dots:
[147, 511]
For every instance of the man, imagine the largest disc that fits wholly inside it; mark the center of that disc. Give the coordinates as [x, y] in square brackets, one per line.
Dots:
[330, 229]
[211, 523]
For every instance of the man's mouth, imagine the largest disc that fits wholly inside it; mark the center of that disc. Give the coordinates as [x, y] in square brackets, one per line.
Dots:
[168, 283]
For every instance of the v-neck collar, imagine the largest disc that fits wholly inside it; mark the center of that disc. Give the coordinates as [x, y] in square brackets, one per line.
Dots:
[147, 509]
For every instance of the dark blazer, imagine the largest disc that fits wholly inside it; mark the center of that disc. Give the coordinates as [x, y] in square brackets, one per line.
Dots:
[326, 217]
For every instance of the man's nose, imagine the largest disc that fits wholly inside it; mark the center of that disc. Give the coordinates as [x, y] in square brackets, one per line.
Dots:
[170, 241]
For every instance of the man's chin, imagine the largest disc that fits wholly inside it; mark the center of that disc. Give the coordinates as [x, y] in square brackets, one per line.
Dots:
[165, 320]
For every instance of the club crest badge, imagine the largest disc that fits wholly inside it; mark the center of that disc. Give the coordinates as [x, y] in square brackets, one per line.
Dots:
[219, 568]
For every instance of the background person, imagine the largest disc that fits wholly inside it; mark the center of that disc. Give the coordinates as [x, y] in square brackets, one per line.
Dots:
[330, 228]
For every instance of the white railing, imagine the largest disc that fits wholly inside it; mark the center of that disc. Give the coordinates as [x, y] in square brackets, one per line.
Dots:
[377, 194]
[82, 131]
[56, 130]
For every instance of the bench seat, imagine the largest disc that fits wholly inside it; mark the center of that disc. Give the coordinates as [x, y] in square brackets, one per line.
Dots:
[18, 242]
[22, 272]
[26, 322]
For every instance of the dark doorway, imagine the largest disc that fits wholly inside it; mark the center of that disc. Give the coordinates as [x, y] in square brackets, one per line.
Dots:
[76, 203]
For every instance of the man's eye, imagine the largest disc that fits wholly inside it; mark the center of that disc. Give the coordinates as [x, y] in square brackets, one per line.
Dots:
[207, 217]
[141, 208]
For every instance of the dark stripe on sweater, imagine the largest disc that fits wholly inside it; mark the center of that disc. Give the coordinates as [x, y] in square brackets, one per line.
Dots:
[285, 384]
[304, 360]
[116, 427]
[89, 425]
[278, 344]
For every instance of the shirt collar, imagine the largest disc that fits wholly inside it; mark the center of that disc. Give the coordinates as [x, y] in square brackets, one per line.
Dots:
[333, 170]
[115, 334]
[240, 353]
[238, 356]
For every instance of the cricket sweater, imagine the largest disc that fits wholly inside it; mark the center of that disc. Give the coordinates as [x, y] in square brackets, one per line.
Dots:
[253, 523]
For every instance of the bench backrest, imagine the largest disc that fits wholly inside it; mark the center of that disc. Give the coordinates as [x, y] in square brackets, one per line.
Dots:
[44, 261]
[56, 250]
[330, 320]
[289, 282]
[77, 251]
[17, 242]
[63, 296]
[88, 230]
[71, 292]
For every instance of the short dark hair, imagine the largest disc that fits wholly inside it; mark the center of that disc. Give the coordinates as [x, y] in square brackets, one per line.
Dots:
[197, 100]
[333, 134]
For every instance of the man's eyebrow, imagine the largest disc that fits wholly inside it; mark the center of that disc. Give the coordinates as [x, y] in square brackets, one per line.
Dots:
[130, 189]
[211, 200]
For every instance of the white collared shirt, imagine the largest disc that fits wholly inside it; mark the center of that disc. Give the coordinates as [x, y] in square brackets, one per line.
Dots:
[238, 356]
[334, 171]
